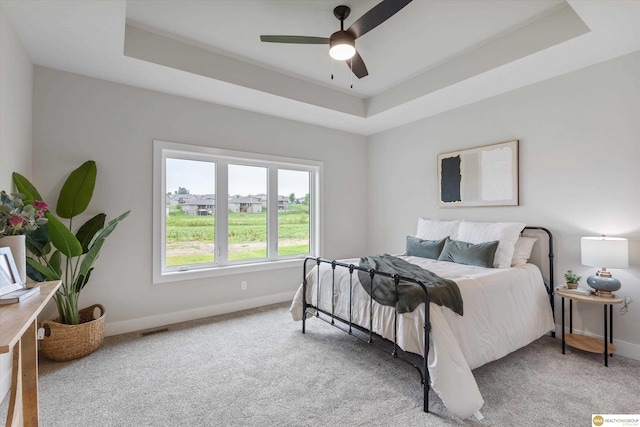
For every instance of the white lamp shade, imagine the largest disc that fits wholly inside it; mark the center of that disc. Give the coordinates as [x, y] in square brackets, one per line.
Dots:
[607, 252]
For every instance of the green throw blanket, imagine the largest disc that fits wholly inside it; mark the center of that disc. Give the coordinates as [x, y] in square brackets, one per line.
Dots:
[441, 291]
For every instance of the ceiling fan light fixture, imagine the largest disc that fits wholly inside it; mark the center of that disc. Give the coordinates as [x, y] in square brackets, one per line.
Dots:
[342, 46]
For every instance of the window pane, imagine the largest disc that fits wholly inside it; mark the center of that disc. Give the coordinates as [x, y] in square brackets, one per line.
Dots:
[247, 212]
[293, 212]
[190, 212]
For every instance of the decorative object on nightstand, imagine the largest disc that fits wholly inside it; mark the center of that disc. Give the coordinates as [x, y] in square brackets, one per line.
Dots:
[572, 279]
[604, 252]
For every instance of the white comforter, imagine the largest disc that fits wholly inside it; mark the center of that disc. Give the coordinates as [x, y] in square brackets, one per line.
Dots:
[504, 310]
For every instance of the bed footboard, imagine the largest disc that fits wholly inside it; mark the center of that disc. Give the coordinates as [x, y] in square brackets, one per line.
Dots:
[366, 334]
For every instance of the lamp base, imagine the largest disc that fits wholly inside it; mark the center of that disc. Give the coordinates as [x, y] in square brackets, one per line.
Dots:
[604, 286]
[605, 294]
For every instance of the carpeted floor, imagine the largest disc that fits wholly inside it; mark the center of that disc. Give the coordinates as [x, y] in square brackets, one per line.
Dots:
[255, 368]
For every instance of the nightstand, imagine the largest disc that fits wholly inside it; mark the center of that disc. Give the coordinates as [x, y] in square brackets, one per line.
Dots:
[583, 342]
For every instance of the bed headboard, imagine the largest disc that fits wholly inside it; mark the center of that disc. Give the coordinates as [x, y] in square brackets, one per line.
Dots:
[542, 256]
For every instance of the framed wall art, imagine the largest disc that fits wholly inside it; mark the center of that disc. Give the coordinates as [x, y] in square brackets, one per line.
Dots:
[480, 176]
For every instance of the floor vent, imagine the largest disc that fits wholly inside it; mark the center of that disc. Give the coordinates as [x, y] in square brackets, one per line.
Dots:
[155, 331]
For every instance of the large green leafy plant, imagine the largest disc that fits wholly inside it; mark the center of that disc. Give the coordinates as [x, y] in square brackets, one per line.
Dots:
[59, 254]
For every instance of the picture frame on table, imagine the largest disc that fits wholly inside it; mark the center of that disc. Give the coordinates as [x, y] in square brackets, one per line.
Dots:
[9, 276]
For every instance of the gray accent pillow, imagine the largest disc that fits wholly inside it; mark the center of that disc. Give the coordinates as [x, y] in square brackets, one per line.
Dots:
[479, 254]
[424, 248]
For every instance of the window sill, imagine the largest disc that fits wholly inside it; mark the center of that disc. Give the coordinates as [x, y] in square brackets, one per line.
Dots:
[202, 273]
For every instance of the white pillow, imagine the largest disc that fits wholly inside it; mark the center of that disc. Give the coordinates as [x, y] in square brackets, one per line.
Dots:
[435, 229]
[522, 250]
[506, 232]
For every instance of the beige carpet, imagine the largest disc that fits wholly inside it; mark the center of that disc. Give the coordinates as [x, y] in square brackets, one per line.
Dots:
[255, 368]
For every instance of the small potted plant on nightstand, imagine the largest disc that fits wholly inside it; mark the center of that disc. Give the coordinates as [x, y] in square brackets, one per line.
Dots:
[572, 279]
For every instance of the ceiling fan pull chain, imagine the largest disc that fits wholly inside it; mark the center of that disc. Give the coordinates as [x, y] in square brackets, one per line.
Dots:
[351, 74]
[331, 68]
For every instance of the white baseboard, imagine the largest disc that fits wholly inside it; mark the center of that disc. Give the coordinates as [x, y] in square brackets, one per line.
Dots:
[132, 325]
[623, 348]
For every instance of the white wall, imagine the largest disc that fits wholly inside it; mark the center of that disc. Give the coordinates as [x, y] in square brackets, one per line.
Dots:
[579, 173]
[79, 118]
[16, 84]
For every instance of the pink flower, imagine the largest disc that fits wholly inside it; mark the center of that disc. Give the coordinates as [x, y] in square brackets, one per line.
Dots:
[15, 220]
[40, 205]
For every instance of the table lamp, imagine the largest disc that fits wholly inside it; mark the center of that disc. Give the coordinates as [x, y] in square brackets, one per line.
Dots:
[604, 252]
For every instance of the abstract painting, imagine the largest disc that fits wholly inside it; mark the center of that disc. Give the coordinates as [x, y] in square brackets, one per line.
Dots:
[480, 176]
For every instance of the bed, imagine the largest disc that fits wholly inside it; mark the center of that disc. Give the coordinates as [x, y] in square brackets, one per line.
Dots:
[507, 305]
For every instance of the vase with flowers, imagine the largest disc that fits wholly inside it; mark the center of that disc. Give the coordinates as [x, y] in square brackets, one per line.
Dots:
[18, 220]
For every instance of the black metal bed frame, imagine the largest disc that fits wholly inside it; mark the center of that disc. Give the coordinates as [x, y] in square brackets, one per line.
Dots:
[397, 352]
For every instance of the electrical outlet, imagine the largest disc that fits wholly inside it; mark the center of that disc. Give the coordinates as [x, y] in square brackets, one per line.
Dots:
[243, 285]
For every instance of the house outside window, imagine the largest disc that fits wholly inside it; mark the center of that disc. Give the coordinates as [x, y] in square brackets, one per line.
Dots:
[220, 212]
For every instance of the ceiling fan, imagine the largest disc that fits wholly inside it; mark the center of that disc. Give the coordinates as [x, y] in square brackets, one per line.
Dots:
[342, 43]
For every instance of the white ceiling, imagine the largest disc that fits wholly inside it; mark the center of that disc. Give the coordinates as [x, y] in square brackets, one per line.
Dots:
[432, 56]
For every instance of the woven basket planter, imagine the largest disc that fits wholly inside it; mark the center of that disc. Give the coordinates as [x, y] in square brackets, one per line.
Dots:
[67, 342]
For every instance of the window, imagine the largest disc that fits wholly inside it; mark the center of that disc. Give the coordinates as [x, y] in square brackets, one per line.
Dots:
[293, 212]
[247, 222]
[223, 212]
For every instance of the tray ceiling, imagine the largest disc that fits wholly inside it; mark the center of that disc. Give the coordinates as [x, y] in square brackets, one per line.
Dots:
[432, 56]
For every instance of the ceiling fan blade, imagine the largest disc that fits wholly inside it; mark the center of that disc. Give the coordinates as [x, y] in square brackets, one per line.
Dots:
[295, 39]
[376, 16]
[357, 66]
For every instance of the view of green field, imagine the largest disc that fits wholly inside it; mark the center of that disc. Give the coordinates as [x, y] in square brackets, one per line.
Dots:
[190, 238]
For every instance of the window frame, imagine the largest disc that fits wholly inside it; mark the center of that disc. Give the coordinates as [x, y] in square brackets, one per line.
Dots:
[222, 158]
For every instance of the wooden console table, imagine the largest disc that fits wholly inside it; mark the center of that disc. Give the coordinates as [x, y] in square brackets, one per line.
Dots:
[18, 330]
